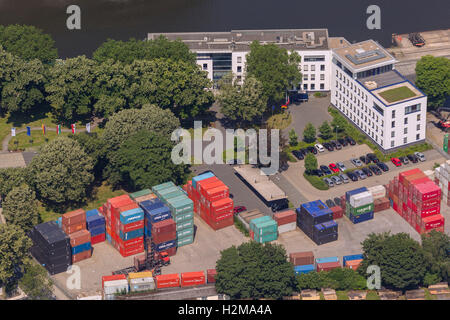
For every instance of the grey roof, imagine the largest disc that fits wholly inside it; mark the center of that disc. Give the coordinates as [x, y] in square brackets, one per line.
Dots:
[240, 40]
[383, 79]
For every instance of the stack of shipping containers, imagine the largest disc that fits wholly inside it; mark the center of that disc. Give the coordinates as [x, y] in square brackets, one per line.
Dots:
[211, 198]
[96, 225]
[74, 225]
[154, 211]
[164, 236]
[416, 198]
[315, 219]
[327, 264]
[442, 178]
[303, 262]
[263, 229]
[51, 247]
[114, 284]
[286, 221]
[359, 205]
[141, 281]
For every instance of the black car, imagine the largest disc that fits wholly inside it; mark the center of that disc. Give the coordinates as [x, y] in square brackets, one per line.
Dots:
[352, 176]
[364, 159]
[404, 160]
[312, 150]
[350, 140]
[375, 169]
[338, 201]
[337, 145]
[367, 171]
[298, 154]
[284, 167]
[279, 206]
[330, 203]
[343, 142]
[328, 146]
[333, 144]
[325, 170]
[318, 173]
[412, 158]
[382, 166]
[372, 157]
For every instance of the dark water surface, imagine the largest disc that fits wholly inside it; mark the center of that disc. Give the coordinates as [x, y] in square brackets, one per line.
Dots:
[122, 19]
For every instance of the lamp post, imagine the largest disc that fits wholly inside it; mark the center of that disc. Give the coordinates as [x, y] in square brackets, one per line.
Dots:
[336, 131]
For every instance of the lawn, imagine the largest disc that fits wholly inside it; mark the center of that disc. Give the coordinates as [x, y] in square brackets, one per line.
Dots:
[397, 94]
[279, 121]
[38, 139]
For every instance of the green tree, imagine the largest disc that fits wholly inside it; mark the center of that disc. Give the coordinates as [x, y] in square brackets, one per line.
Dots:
[241, 103]
[20, 208]
[128, 51]
[346, 279]
[71, 89]
[400, 258]
[35, 282]
[10, 178]
[62, 173]
[433, 78]
[28, 42]
[293, 138]
[309, 133]
[435, 244]
[144, 160]
[256, 271]
[14, 246]
[325, 130]
[95, 147]
[275, 68]
[339, 123]
[310, 163]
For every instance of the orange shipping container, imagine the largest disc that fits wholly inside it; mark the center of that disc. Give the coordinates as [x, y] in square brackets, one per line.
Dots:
[353, 264]
[192, 279]
[74, 228]
[79, 237]
[167, 281]
[74, 217]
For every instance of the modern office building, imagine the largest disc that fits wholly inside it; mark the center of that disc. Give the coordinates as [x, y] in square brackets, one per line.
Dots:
[364, 85]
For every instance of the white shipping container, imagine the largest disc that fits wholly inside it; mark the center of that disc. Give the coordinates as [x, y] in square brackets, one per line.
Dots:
[361, 199]
[377, 191]
[287, 227]
[437, 172]
[429, 174]
[114, 286]
[142, 284]
[447, 165]
[109, 297]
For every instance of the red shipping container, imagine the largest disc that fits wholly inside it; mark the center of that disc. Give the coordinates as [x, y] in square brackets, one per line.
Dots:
[131, 226]
[211, 275]
[98, 238]
[219, 217]
[81, 256]
[114, 200]
[192, 279]
[252, 234]
[220, 206]
[427, 191]
[119, 204]
[79, 237]
[327, 266]
[426, 212]
[432, 222]
[74, 228]
[167, 281]
[285, 217]
[167, 225]
[171, 252]
[158, 238]
[404, 174]
[113, 278]
[204, 182]
[438, 229]
[126, 252]
[206, 187]
[217, 194]
[338, 212]
[73, 217]
[129, 243]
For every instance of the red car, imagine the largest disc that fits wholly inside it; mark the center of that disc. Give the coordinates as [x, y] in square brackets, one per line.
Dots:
[334, 167]
[239, 209]
[396, 162]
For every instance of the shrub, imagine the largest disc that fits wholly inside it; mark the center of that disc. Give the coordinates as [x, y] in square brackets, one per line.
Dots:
[316, 182]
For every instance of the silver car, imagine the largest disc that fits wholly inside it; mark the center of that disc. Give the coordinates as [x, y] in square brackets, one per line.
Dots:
[336, 180]
[341, 166]
[329, 182]
[420, 156]
[344, 178]
[361, 174]
[356, 162]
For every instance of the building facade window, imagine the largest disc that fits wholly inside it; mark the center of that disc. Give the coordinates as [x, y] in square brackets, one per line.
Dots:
[313, 77]
[393, 114]
[322, 67]
[392, 134]
[418, 127]
[205, 66]
[405, 140]
[313, 67]
[305, 77]
[392, 143]
[305, 67]
[412, 109]
[393, 124]
[322, 86]
[322, 77]
[313, 86]
[418, 136]
[239, 69]
[239, 59]
[405, 121]
[305, 86]
[405, 130]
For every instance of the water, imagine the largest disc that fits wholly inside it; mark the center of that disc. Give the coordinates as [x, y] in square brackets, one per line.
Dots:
[122, 19]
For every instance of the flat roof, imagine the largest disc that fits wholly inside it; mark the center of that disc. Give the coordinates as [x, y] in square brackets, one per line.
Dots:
[382, 79]
[260, 182]
[240, 40]
[363, 54]
[414, 90]
[12, 160]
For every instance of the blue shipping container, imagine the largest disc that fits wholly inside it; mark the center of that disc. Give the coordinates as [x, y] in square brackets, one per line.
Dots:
[148, 205]
[93, 212]
[304, 269]
[81, 248]
[362, 217]
[131, 234]
[201, 177]
[327, 259]
[350, 193]
[131, 216]
[95, 221]
[351, 257]
[166, 245]
[147, 231]
[159, 214]
[97, 230]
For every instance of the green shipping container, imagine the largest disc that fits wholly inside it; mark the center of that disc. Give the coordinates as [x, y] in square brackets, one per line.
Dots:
[174, 196]
[141, 193]
[266, 238]
[180, 206]
[184, 217]
[254, 222]
[170, 193]
[266, 227]
[162, 186]
[185, 225]
[446, 142]
[360, 210]
[185, 232]
[185, 241]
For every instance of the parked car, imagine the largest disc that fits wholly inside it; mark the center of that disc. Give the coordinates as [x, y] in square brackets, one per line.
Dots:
[412, 158]
[356, 162]
[364, 159]
[325, 170]
[420, 156]
[329, 182]
[330, 203]
[336, 180]
[337, 201]
[341, 166]
[343, 142]
[361, 175]
[350, 140]
[319, 147]
[404, 160]
[239, 209]
[352, 176]
[383, 166]
[304, 151]
[376, 170]
[338, 145]
[328, 146]
[396, 162]
[312, 150]
[333, 143]
[372, 157]
[298, 154]
[333, 167]
[284, 167]
[344, 178]
[367, 171]
[317, 172]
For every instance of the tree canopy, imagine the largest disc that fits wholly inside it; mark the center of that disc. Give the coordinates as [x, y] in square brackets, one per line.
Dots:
[338, 279]
[433, 78]
[28, 42]
[62, 173]
[10, 178]
[309, 133]
[36, 283]
[275, 68]
[256, 271]
[436, 246]
[144, 160]
[325, 130]
[310, 163]
[20, 208]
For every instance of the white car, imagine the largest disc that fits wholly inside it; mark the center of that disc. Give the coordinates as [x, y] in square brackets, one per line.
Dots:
[420, 156]
[341, 166]
[319, 147]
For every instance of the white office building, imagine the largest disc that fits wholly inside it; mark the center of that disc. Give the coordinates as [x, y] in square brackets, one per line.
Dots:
[364, 85]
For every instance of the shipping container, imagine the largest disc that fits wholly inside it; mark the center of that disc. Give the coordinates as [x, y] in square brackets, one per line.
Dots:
[211, 275]
[185, 240]
[350, 193]
[287, 227]
[167, 281]
[285, 217]
[201, 177]
[351, 257]
[327, 259]
[79, 237]
[192, 279]
[99, 238]
[304, 269]
[83, 255]
[353, 264]
[301, 258]
[82, 247]
[140, 193]
[327, 266]
[75, 217]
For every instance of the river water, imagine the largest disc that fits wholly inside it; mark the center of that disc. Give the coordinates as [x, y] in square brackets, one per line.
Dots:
[122, 19]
